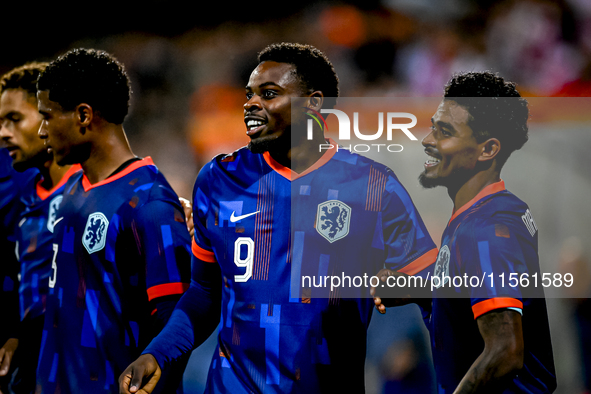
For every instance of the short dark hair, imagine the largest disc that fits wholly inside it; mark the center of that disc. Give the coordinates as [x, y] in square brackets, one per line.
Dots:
[501, 113]
[313, 68]
[88, 76]
[23, 77]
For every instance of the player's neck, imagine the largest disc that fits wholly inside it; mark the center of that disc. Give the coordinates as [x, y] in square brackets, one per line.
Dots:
[470, 189]
[52, 174]
[107, 154]
[301, 156]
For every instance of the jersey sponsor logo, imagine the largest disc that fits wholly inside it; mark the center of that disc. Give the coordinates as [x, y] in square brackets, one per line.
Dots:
[528, 220]
[54, 205]
[332, 220]
[442, 266]
[95, 233]
[234, 219]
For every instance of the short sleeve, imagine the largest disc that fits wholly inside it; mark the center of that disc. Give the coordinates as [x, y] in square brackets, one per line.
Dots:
[408, 245]
[491, 252]
[165, 243]
[201, 244]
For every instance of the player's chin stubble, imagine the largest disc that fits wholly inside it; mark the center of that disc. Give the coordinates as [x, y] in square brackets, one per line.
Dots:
[429, 183]
[262, 145]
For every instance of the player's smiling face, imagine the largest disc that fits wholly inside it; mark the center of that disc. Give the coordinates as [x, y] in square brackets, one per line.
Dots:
[20, 123]
[58, 129]
[451, 146]
[267, 113]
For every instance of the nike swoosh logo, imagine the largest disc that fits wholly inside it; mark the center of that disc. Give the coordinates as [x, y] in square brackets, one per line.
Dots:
[234, 219]
[57, 221]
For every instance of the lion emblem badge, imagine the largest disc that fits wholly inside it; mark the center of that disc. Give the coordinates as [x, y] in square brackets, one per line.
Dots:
[95, 233]
[332, 220]
[442, 266]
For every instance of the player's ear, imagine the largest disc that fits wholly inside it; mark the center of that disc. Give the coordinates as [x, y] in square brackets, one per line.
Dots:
[315, 100]
[489, 149]
[84, 114]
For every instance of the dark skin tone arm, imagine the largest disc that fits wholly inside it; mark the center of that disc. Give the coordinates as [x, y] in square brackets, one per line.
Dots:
[502, 356]
[500, 329]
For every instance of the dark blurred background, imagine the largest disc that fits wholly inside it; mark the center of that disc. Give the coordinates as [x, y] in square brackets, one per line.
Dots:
[189, 63]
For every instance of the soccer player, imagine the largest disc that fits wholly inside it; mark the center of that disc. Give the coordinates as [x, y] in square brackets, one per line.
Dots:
[121, 249]
[11, 206]
[11, 183]
[494, 337]
[41, 197]
[266, 214]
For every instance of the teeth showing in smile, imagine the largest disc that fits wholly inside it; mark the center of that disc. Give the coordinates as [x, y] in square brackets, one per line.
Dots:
[251, 124]
[432, 160]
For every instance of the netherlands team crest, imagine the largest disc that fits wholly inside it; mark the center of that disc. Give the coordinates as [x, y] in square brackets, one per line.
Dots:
[332, 220]
[95, 233]
[442, 266]
[54, 205]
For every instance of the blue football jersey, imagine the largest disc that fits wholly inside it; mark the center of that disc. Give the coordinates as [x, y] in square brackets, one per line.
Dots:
[120, 245]
[12, 185]
[34, 240]
[267, 227]
[488, 239]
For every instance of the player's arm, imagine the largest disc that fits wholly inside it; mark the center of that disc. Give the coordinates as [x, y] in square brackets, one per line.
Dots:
[164, 242]
[6, 354]
[492, 247]
[502, 356]
[408, 247]
[194, 319]
[196, 315]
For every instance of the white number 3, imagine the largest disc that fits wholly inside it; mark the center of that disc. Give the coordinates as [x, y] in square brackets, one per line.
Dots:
[53, 277]
[246, 262]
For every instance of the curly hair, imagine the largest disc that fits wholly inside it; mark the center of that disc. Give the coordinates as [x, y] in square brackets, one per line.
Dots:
[23, 77]
[312, 67]
[495, 106]
[88, 76]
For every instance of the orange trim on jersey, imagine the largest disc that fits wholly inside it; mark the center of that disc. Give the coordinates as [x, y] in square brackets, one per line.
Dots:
[154, 312]
[43, 193]
[495, 303]
[202, 254]
[166, 289]
[487, 191]
[421, 263]
[146, 161]
[291, 175]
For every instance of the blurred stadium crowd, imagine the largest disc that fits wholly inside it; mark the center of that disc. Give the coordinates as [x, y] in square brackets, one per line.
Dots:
[188, 93]
[188, 85]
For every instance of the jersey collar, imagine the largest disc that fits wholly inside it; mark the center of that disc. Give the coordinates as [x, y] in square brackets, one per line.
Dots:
[43, 193]
[146, 161]
[487, 191]
[290, 174]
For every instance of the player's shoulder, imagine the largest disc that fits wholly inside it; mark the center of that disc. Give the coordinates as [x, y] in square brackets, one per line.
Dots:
[499, 212]
[501, 206]
[231, 160]
[138, 184]
[357, 162]
[241, 164]
[150, 184]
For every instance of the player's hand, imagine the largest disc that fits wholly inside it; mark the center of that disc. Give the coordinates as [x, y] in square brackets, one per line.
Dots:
[141, 376]
[387, 296]
[6, 354]
[188, 208]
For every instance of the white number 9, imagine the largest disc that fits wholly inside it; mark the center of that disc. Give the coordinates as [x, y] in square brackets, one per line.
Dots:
[246, 262]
